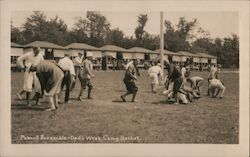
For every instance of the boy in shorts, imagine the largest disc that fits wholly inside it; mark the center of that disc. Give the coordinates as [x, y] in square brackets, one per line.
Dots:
[86, 75]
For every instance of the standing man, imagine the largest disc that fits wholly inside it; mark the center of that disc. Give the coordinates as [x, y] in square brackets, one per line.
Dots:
[86, 75]
[77, 64]
[25, 61]
[50, 76]
[155, 73]
[174, 75]
[69, 75]
[129, 80]
[213, 74]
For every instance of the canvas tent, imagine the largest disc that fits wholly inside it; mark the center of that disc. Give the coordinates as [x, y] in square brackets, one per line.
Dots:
[48, 50]
[76, 48]
[140, 52]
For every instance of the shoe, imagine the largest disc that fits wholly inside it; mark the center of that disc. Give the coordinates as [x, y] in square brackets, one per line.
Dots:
[123, 99]
[80, 99]
[50, 109]
[19, 97]
[176, 103]
[134, 101]
[90, 98]
[221, 97]
[67, 102]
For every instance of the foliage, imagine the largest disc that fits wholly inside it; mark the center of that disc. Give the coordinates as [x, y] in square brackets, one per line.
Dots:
[95, 30]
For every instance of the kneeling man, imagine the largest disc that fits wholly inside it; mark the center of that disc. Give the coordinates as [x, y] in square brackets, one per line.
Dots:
[215, 87]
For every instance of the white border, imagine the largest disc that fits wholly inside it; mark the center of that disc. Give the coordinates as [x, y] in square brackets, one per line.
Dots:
[7, 149]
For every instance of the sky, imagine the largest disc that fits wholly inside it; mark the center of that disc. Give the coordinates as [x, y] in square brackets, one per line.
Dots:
[219, 24]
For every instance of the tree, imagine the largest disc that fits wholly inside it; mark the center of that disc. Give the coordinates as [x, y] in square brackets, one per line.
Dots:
[16, 35]
[231, 51]
[115, 37]
[57, 31]
[139, 30]
[37, 27]
[179, 38]
[95, 27]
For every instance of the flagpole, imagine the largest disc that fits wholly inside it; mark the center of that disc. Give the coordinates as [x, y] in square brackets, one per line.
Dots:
[161, 42]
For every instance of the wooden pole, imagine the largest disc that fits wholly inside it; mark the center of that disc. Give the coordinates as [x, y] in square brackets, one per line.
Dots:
[161, 42]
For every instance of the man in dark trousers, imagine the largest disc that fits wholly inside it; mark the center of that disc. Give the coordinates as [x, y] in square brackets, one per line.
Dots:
[67, 66]
[174, 75]
[129, 80]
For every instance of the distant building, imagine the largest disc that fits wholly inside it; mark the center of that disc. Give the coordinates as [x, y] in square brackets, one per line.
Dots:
[48, 50]
[75, 48]
[114, 56]
[16, 51]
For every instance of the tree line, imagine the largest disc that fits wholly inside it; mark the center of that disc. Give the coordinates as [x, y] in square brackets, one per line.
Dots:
[95, 30]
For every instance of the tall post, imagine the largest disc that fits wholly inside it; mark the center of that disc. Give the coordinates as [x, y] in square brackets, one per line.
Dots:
[161, 42]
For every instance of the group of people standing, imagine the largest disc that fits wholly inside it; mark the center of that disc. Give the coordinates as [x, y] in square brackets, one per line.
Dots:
[47, 77]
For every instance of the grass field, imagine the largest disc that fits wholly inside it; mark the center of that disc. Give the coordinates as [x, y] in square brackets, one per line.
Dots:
[108, 120]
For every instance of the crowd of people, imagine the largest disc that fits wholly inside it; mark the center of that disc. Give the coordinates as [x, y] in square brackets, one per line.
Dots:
[48, 78]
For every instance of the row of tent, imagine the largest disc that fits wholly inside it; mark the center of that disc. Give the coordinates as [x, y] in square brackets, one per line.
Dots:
[73, 49]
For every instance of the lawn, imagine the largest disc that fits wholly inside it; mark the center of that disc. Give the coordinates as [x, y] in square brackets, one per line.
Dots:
[108, 120]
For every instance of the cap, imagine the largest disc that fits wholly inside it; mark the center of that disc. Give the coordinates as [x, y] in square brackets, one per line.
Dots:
[89, 54]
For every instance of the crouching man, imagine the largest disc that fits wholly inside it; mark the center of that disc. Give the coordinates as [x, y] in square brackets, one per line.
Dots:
[216, 87]
[50, 76]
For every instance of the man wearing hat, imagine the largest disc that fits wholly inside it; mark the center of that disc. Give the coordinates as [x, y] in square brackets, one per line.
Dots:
[77, 64]
[69, 75]
[154, 73]
[86, 75]
[24, 62]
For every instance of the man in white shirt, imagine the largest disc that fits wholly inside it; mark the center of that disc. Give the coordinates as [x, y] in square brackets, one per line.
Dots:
[67, 66]
[155, 73]
[77, 64]
[195, 82]
[86, 75]
[213, 74]
[216, 87]
[24, 62]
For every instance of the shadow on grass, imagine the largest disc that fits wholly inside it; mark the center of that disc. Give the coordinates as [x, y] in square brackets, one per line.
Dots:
[118, 101]
[165, 102]
[25, 107]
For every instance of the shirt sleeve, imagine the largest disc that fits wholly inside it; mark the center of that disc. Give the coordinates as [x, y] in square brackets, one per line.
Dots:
[22, 58]
[77, 61]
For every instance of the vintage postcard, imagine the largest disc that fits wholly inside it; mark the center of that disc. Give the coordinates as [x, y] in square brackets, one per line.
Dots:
[123, 78]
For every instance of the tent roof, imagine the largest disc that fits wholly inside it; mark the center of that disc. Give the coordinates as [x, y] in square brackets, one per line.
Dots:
[165, 52]
[44, 44]
[113, 48]
[140, 49]
[81, 46]
[16, 45]
[205, 55]
[184, 53]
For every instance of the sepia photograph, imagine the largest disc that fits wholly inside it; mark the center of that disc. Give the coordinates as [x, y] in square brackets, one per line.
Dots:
[86, 77]
[129, 76]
